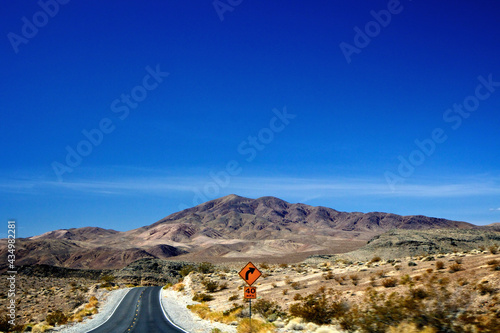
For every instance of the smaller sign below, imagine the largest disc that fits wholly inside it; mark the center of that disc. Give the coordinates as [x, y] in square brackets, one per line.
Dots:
[250, 292]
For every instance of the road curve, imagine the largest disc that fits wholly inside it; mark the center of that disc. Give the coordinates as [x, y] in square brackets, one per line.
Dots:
[140, 311]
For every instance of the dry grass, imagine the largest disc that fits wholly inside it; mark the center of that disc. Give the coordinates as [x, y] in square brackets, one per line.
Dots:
[204, 312]
[256, 326]
[410, 328]
[390, 282]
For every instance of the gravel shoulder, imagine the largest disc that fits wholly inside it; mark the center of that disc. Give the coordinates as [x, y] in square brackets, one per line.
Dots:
[108, 301]
[175, 304]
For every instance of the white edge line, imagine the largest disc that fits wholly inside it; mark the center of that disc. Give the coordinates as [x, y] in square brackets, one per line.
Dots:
[166, 315]
[112, 313]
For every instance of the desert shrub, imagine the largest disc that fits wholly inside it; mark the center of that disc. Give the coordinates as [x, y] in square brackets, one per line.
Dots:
[256, 326]
[210, 285]
[300, 269]
[184, 271]
[5, 326]
[390, 282]
[443, 281]
[285, 291]
[355, 279]
[340, 280]
[215, 330]
[458, 260]
[267, 308]
[376, 259]
[297, 297]
[429, 270]
[93, 302]
[107, 281]
[410, 328]
[264, 265]
[203, 310]
[201, 297]
[296, 285]
[493, 249]
[381, 274]
[439, 309]
[328, 276]
[234, 310]
[405, 279]
[283, 265]
[439, 264]
[492, 262]
[380, 312]
[397, 267]
[485, 288]
[383, 310]
[412, 263]
[40, 328]
[206, 267]
[108, 278]
[233, 298]
[418, 293]
[455, 268]
[56, 317]
[178, 287]
[79, 300]
[317, 308]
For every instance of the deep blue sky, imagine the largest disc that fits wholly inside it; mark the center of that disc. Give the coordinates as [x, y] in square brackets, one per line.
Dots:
[349, 124]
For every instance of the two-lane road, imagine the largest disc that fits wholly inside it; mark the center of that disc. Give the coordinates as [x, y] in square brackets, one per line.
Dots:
[140, 311]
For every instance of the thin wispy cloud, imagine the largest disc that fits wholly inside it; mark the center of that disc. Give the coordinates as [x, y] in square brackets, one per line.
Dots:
[256, 186]
[495, 209]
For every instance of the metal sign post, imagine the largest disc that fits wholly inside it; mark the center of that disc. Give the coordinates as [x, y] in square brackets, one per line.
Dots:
[249, 274]
[250, 300]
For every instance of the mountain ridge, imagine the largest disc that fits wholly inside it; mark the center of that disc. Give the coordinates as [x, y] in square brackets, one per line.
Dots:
[229, 227]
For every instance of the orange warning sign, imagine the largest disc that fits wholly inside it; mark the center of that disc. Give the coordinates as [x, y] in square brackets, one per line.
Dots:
[250, 273]
[250, 292]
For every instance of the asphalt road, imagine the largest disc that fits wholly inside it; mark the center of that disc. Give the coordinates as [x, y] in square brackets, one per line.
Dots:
[140, 311]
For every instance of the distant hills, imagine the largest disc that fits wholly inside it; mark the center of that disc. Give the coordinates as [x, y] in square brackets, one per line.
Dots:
[228, 228]
[408, 243]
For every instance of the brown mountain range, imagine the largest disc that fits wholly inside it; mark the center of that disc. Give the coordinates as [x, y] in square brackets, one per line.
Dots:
[228, 228]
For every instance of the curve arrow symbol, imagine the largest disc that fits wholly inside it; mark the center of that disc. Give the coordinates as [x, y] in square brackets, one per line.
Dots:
[250, 271]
